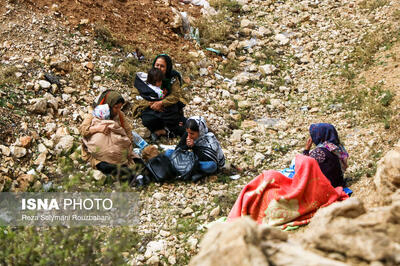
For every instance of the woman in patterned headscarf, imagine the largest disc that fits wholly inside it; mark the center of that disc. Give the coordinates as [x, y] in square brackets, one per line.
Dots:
[329, 153]
[203, 143]
[164, 117]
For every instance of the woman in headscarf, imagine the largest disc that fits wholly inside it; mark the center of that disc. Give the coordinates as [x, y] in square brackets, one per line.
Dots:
[107, 144]
[203, 143]
[164, 117]
[329, 153]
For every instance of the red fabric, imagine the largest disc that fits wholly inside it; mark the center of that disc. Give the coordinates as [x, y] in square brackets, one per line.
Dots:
[275, 199]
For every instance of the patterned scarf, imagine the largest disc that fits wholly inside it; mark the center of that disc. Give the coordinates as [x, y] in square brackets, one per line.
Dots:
[324, 135]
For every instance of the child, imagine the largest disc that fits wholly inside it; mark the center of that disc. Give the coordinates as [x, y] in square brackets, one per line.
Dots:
[149, 85]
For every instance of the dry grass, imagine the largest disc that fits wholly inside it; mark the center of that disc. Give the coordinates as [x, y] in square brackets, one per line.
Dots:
[215, 28]
[105, 37]
[7, 75]
[371, 5]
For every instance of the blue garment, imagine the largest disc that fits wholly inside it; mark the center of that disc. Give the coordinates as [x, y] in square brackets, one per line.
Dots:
[208, 167]
[289, 172]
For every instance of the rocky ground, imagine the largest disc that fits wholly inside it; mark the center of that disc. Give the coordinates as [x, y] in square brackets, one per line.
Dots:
[282, 66]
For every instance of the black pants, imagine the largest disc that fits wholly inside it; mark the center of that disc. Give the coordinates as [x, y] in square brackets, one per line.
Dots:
[169, 119]
[112, 169]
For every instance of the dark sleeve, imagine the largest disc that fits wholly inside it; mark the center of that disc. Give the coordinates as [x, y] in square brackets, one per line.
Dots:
[330, 165]
[182, 142]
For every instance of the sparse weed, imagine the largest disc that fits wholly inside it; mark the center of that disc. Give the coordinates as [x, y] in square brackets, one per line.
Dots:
[7, 75]
[218, 27]
[105, 38]
[371, 5]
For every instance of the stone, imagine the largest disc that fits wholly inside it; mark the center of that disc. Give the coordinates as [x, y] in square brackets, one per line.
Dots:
[64, 144]
[192, 243]
[96, 78]
[61, 132]
[283, 40]
[244, 242]
[39, 106]
[387, 177]
[263, 31]
[25, 141]
[89, 65]
[41, 159]
[154, 260]
[98, 175]
[247, 124]
[267, 69]
[245, 23]
[197, 100]
[84, 21]
[233, 243]
[158, 196]
[24, 181]
[18, 152]
[155, 247]
[172, 260]
[164, 233]
[242, 78]
[236, 135]
[225, 94]
[258, 159]
[187, 211]
[215, 212]
[50, 128]
[355, 233]
[5, 150]
[244, 104]
[44, 84]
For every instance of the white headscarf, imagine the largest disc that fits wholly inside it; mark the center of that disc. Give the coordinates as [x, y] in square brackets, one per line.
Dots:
[201, 122]
[208, 143]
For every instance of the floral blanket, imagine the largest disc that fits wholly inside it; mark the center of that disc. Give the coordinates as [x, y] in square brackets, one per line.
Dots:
[274, 199]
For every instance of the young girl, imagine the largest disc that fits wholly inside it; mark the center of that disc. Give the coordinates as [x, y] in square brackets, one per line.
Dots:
[203, 143]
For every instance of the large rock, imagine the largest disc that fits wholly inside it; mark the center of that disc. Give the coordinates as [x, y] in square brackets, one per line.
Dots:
[65, 144]
[387, 178]
[236, 243]
[345, 228]
[243, 242]
[39, 106]
[18, 152]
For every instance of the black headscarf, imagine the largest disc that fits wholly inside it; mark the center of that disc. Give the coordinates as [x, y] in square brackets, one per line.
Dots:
[170, 74]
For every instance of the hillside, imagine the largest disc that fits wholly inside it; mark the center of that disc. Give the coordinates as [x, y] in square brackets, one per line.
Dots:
[282, 66]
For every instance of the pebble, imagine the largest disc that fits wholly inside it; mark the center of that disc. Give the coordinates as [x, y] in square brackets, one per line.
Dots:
[215, 212]
[18, 152]
[187, 211]
[96, 78]
[44, 84]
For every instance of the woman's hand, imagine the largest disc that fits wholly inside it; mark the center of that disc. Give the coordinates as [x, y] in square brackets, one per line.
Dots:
[189, 142]
[309, 144]
[157, 106]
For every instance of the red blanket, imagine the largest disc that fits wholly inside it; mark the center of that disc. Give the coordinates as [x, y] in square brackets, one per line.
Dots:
[274, 199]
